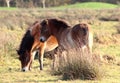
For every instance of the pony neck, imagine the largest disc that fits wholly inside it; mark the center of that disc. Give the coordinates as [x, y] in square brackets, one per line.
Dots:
[60, 34]
[27, 42]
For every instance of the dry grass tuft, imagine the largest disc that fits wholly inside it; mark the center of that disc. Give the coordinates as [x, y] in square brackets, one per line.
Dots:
[118, 28]
[76, 64]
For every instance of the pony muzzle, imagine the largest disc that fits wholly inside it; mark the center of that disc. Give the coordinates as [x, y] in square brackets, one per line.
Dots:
[42, 39]
[25, 69]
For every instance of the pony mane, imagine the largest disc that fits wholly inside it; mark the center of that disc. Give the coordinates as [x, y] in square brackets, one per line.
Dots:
[26, 43]
[27, 40]
[59, 23]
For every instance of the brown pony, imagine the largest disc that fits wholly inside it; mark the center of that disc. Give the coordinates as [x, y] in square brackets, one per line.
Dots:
[30, 44]
[80, 35]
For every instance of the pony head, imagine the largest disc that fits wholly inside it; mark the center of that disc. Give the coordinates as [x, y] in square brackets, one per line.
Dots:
[45, 31]
[51, 27]
[24, 58]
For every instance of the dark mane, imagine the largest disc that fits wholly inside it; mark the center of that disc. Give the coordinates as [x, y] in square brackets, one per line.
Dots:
[59, 23]
[26, 43]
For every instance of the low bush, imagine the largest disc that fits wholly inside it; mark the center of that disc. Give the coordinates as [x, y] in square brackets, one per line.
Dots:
[75, 64]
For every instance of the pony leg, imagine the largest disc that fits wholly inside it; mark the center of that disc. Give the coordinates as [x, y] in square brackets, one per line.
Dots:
[41, 59]
[56, 59]
[33, 52]
[90, 42]
[32, 59]
[41, 51]
[30, 66]
[54, 65]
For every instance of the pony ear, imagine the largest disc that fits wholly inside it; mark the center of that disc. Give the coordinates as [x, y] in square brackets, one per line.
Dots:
[44, 22]
[35, 22]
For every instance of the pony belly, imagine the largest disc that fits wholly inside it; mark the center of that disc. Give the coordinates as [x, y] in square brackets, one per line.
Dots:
[51, 43]
[50, 47]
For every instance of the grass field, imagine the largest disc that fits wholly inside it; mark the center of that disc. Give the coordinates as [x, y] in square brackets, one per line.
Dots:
[90, 5]
[10, 73]
[6, 8]
[13, 25]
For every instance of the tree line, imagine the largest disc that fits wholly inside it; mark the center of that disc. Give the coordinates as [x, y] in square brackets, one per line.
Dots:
[46, 3]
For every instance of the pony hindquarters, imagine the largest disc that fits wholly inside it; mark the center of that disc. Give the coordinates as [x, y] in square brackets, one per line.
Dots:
[84, 34]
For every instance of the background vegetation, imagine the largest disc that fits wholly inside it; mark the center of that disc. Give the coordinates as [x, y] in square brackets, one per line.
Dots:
[47, 3]
[104, 22]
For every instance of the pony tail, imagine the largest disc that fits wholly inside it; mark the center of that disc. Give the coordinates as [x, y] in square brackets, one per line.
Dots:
[86, 32]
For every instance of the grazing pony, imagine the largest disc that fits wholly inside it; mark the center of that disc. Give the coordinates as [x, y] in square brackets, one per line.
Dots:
[30, 44]
[80, 35]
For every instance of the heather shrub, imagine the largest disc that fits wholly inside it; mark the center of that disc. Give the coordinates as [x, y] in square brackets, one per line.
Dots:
[76, 64]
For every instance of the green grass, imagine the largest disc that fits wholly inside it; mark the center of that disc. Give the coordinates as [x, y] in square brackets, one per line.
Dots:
[107, 42]
[90, 5]
[6, 8]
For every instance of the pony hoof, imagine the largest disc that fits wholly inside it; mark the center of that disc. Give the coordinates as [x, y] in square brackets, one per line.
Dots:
[41, 68]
